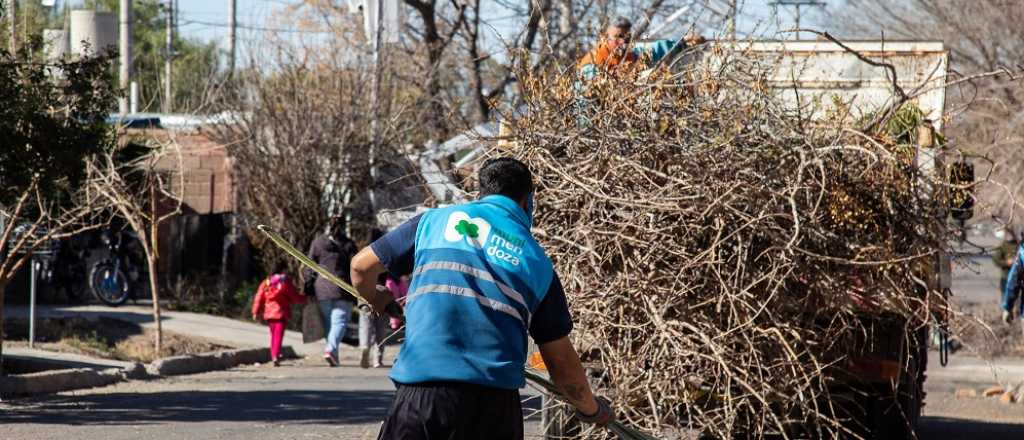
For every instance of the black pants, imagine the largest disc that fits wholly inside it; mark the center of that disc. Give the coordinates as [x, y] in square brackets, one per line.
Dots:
[453, 411]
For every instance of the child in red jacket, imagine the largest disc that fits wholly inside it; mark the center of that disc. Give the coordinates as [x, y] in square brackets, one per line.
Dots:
[273, 303]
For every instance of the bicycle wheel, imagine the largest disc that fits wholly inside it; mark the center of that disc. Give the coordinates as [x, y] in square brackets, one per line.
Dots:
[109, 284]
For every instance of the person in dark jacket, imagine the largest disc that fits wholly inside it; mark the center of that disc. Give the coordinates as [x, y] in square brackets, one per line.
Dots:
[334, 251]
[1004, 255]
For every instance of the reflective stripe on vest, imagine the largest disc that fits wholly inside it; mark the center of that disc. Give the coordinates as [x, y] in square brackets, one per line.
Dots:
[477, 273]
[462, 291]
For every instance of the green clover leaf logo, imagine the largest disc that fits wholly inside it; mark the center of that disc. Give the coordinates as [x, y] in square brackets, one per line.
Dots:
[467, 229]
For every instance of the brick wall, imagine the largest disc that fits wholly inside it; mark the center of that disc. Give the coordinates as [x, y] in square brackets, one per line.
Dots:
[206, 172]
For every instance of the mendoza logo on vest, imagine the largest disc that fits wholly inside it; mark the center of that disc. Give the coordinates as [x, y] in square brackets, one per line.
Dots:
[476, 231]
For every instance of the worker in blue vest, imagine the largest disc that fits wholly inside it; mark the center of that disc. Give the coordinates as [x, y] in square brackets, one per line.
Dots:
[480, 285]
[1012, 300]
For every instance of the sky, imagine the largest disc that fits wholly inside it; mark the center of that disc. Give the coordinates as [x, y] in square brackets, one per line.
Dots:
[206, 20]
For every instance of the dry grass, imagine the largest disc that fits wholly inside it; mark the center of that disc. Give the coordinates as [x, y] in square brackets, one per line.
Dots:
[104, 338]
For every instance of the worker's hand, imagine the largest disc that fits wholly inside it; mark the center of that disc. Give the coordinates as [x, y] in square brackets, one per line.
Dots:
[1007, 316]
[602, 417]
[394, 310]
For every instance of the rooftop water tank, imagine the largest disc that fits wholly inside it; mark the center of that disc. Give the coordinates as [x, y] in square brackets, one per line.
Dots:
[98, 29]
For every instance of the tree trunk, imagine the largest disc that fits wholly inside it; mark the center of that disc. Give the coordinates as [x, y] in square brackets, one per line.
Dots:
[152, 255]
[566, 26]
[483, 108]
[435, 44]
[153, 283]
[437, 114]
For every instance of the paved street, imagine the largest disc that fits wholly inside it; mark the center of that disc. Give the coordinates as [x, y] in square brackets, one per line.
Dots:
[292, 402]
[307, 400]
[310, 401]
[297, 401]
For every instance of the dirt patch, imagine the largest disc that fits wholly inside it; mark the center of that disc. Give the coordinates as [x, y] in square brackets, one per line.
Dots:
[990, 337]
[103, 338]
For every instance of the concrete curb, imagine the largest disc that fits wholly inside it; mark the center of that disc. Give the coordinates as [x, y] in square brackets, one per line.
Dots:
[218, 360]
[55, 381]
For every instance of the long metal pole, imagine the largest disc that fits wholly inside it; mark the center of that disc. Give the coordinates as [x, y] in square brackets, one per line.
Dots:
[125, 71]
[32, 306]
[668, 20]
[375, 103]
[232, 24]
[169, 47]
[733, 11]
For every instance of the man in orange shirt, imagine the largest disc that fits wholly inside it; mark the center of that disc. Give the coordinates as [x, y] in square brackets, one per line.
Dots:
[612, 50]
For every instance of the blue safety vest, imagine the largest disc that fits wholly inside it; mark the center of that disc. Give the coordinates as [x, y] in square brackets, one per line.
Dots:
[478, 277]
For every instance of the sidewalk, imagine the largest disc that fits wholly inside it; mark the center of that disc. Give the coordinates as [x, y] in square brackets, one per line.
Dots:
[974, 370]
[66, 360]
[215, 329]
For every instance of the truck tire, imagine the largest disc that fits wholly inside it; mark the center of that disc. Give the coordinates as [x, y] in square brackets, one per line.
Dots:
[895, 415]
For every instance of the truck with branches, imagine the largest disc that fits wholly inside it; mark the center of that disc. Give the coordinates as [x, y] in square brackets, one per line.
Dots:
[755, 239]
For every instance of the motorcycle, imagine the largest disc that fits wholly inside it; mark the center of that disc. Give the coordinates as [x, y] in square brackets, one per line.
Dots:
[111, 278]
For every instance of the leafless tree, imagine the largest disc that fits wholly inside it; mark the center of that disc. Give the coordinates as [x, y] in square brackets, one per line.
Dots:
[34, 223]
[144, 194]
[299, 137]
[550, 32]
[454, 63]
[982, 36]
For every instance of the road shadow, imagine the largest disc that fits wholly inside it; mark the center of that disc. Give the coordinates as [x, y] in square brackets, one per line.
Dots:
[19, 364]
[303, 407]
[132, 316]
[946, 428]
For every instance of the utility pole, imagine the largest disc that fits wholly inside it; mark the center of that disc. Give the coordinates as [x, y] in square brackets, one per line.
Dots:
[125, 72]
[731, 28]
[169, 48]
[232, 25]
[796, 5]
[378, 25]
[12, 12]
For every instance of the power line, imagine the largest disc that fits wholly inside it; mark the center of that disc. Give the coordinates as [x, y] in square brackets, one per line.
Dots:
[187, 21]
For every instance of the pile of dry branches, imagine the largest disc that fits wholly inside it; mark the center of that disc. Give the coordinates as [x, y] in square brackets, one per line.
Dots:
[722, 251]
